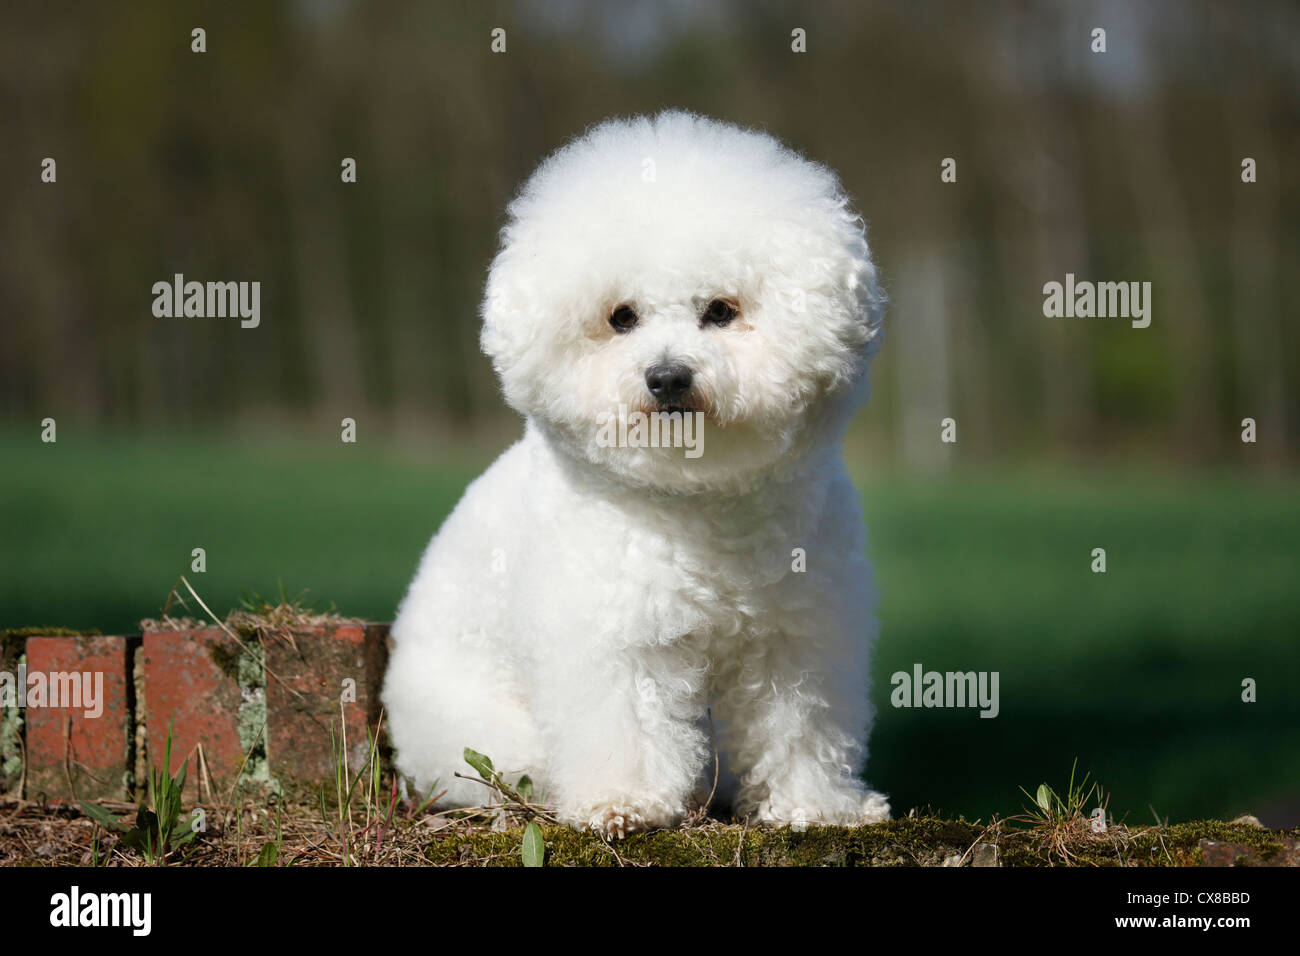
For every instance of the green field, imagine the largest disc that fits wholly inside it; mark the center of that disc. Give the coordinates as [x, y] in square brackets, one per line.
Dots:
[1136, 672]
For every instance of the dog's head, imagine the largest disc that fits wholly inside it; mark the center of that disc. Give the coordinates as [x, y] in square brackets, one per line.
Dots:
[679, 264]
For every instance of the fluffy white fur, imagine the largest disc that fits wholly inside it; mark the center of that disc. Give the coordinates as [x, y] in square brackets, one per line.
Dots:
[584, 607]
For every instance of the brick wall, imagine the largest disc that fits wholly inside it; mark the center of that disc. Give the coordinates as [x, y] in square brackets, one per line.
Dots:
[84, 718]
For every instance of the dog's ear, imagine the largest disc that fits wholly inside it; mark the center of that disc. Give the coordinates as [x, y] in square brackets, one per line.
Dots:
[495, 337]
[521, 333]
[506, 323]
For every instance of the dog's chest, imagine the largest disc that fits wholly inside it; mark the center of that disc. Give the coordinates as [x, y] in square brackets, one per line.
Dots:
[726, 570]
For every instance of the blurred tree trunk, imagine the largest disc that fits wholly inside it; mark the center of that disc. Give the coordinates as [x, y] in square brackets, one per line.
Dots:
[1258, 337]
[320, 258]
[919, 338]
[1178, 295]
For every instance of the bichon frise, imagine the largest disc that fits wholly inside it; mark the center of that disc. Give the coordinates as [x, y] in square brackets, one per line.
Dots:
[683, 311]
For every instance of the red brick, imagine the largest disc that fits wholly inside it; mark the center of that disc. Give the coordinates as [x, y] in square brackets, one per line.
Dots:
[70, 755]
[315, 664]
[191, 680]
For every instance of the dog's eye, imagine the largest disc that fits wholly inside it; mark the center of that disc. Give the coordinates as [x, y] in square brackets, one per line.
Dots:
[623, 319]
[719, 312]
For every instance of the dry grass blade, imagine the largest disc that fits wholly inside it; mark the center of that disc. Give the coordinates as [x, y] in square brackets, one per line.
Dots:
[235, 637]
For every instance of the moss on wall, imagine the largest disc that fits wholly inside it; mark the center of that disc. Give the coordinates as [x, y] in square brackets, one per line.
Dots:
[908, 842]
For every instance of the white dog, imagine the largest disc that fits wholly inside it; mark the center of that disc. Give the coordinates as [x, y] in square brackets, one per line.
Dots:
[585, 608]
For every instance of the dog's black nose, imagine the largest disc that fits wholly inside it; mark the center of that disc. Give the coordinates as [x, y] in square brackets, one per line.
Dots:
[668, 382]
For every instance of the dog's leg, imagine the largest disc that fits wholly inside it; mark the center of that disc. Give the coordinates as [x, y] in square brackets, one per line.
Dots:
[622, 734]
[442, 696]
[797, 728]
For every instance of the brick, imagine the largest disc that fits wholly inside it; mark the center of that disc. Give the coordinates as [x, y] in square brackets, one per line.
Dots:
[191, 680]
[315, 665]
[69, 755]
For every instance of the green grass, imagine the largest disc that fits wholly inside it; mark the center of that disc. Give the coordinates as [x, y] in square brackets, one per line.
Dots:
[1136, 672]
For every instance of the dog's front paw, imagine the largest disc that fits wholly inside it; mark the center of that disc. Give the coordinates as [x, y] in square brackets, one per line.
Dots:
[616, 821]
[846, 808]
[615, 818]
[874, 809]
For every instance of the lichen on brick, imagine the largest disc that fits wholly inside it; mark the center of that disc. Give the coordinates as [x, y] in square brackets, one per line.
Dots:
[138, 771]
[250, 668]
[11, 731]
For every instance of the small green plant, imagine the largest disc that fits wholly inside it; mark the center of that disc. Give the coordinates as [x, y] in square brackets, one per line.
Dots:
[533, 848]
[1064, 820]
[160, 830]
[1052, 808]
[417, 807]
[515, 800]
[378, 809]
[284, 608]
[269, 855]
